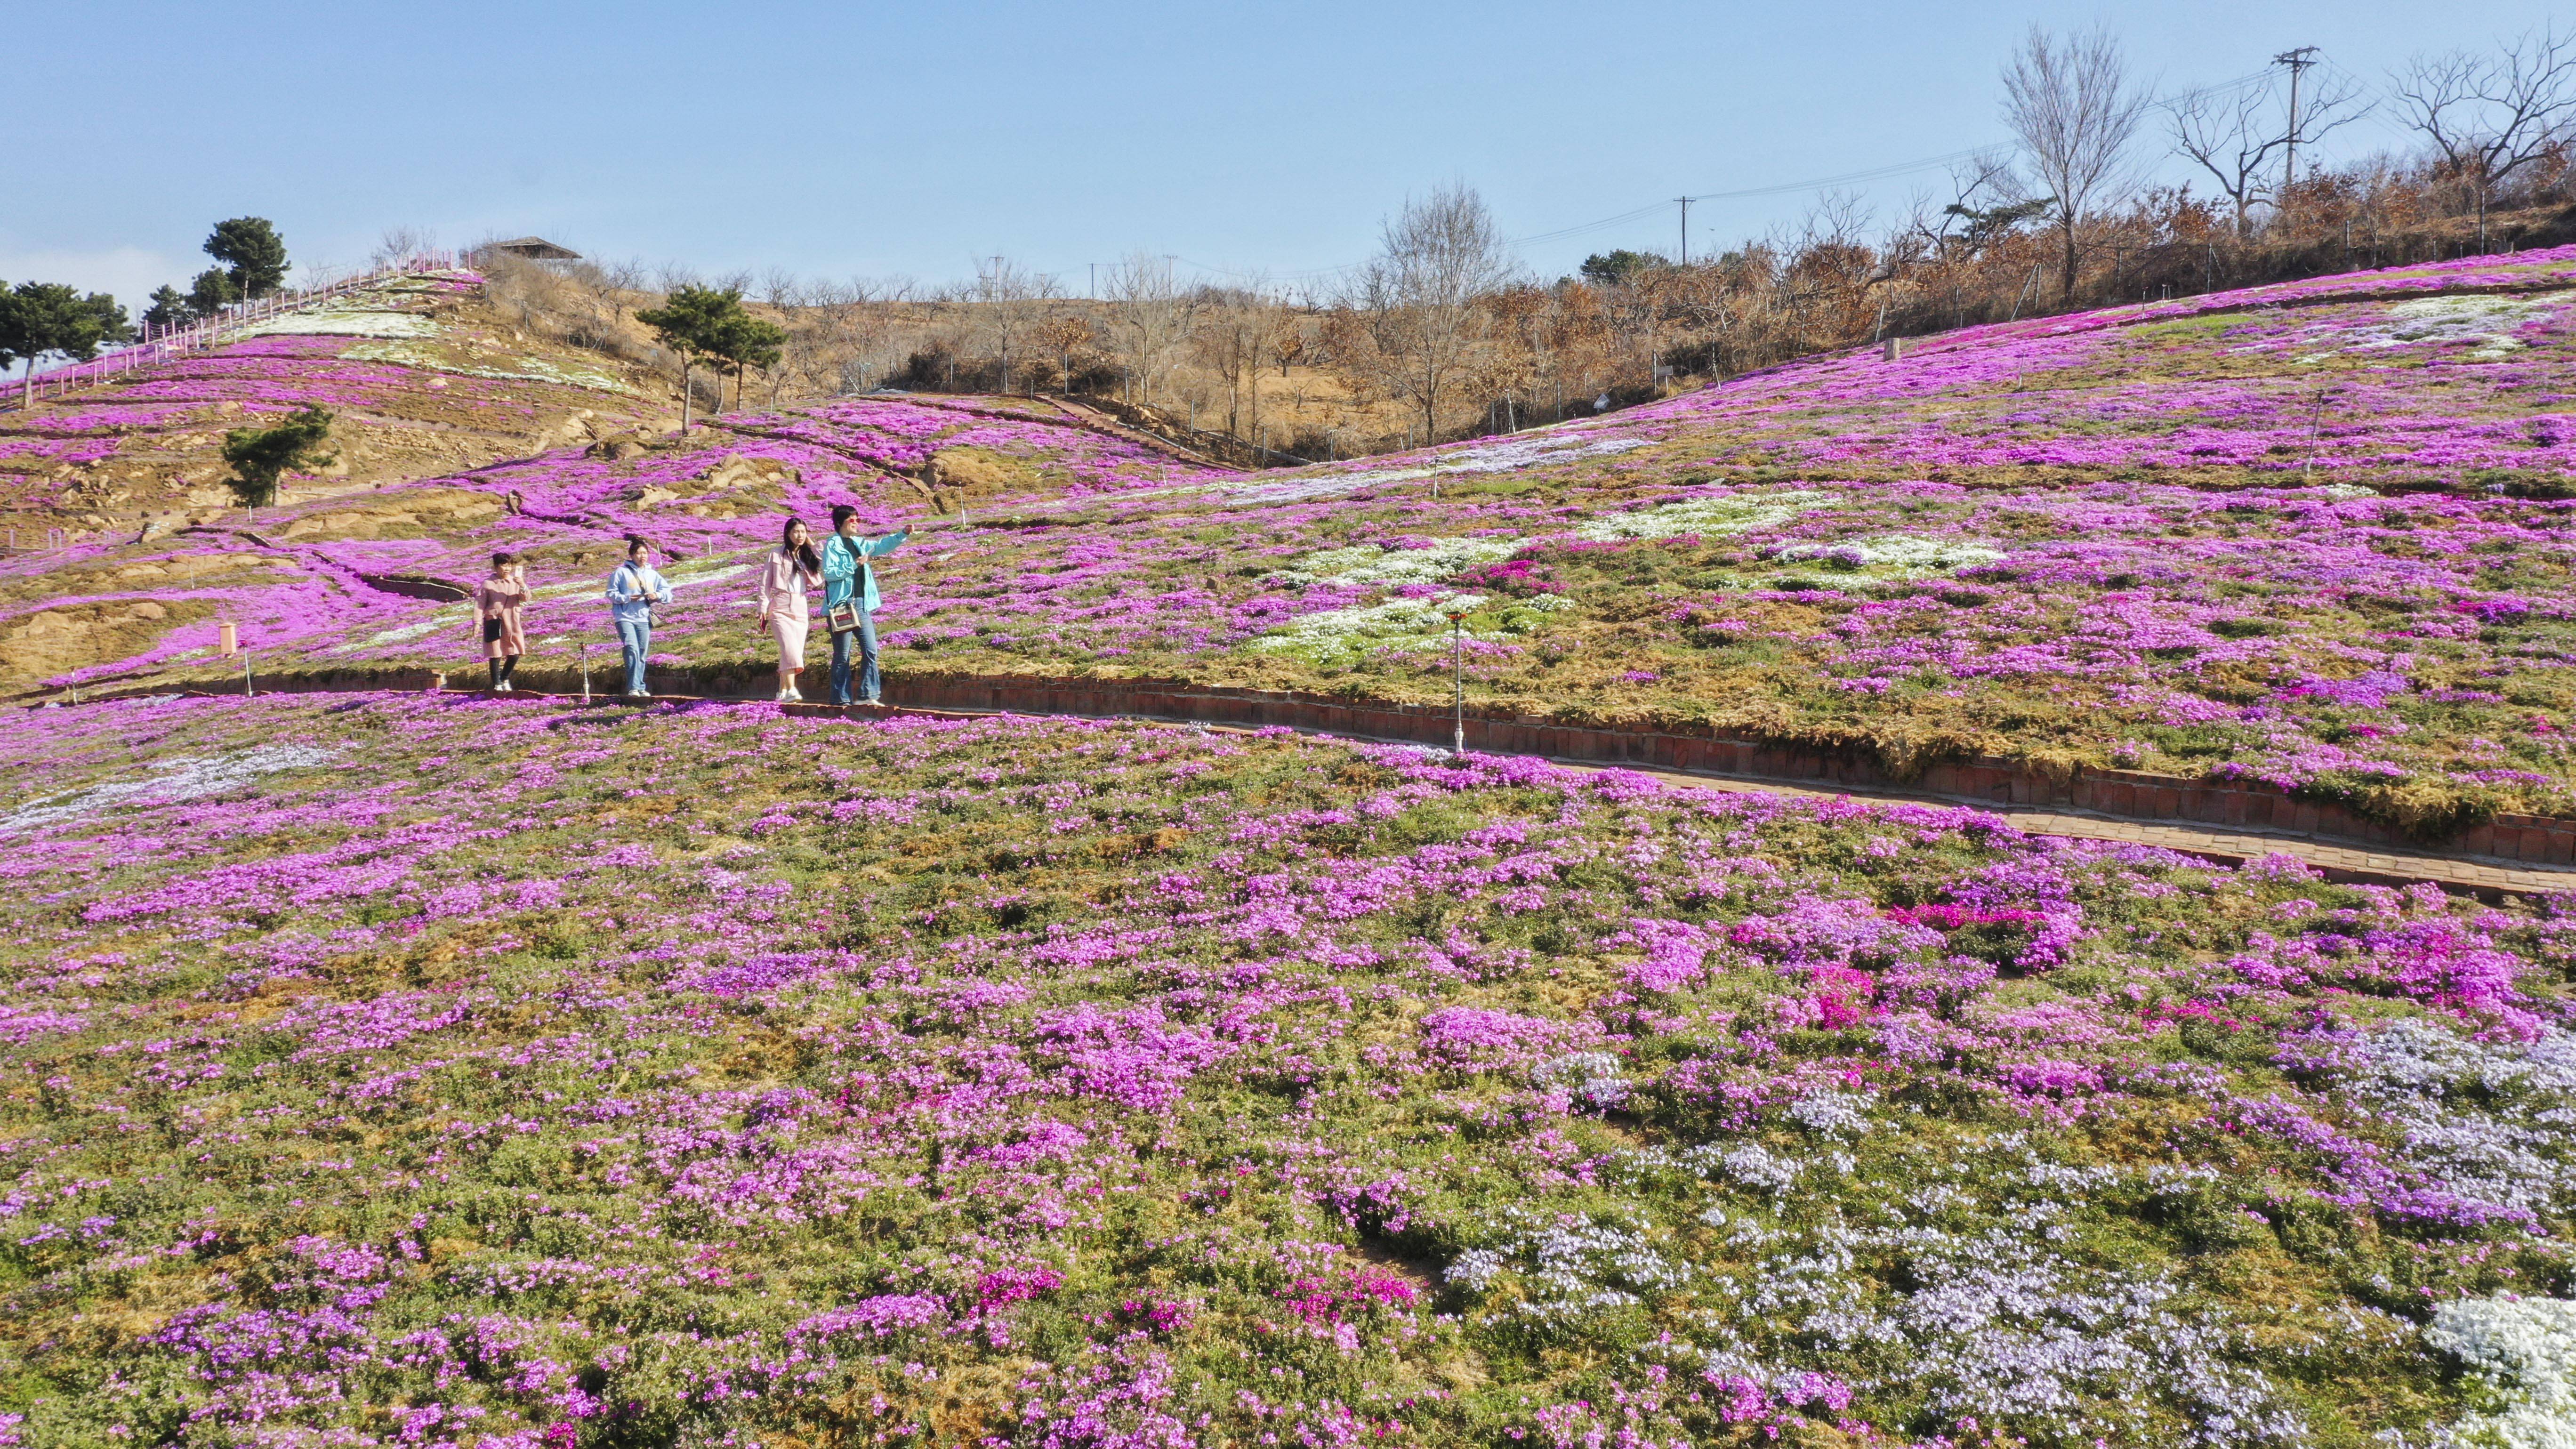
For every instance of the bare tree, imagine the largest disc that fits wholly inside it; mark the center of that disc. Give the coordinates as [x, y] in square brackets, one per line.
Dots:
[782, 288]
[1063, 334]
[1150, 313]
[1010, 300]
[2071, 105]
[401, 244]
[1239, 328]
[2488, 117]
[1416, 301]
[2233, 134]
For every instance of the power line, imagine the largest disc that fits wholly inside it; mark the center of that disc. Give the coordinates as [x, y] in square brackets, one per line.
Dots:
[1874, 173]
[1783, 188]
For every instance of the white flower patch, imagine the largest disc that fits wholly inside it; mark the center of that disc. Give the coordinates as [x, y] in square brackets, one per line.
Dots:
[443, 619]
[2490, 1122]
[1570, 1269]
[1735, 513]
[1962, 1282]
[2525, 1348]
[680, 574]
[1757, 1166]
[342, 321]
[1530, 451]
[1373, 565]
[1593, 1078]
[1518, 452]
[2447, 321]
[192, 778]
[1893, 553]
[1833, 1113]
[1397, 623]
[521, 369]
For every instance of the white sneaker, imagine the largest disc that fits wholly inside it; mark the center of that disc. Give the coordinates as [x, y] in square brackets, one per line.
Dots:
[795, 696]
[782, 696]
[506, 687]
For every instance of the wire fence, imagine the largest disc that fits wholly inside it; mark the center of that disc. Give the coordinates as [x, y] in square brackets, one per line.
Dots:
[155, 345]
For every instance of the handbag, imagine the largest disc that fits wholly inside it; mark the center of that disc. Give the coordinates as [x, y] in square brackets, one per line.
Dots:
[844, 617]
[491, 631]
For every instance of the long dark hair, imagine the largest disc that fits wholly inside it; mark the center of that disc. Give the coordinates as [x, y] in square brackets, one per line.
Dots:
[803, 553]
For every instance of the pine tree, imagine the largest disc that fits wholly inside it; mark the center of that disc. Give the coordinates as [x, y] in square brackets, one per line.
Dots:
[212, 292]
[253, 253]
[170, 308]
[693, 321]
[746, 341]
[48, 319]
[260, 455]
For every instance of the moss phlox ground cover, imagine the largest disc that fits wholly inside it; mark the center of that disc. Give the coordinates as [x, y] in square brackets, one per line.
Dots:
[2309, 535]
[438, 1071]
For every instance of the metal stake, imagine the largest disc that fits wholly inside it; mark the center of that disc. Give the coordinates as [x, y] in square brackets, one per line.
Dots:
[585, 672]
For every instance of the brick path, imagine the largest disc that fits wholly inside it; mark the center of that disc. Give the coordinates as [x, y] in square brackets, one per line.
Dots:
[2488, 879]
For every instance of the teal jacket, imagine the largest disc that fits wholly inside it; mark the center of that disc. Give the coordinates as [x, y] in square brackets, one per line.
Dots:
[846, 568]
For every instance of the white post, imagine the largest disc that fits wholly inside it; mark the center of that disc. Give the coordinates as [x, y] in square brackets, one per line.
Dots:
[1458, 674]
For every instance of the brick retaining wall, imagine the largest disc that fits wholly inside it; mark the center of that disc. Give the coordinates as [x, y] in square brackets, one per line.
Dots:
[2132, 795]
[2123, 794]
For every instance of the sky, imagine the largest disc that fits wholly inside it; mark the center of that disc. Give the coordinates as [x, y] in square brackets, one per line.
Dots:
[843, 140]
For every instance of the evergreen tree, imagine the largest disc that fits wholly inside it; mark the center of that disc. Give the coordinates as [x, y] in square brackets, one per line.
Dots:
[1616, 268]
[746, 341]
[170, 308]
[253, 253]
[259, 455]
[692, 321]
[47, 319]
[212, 292]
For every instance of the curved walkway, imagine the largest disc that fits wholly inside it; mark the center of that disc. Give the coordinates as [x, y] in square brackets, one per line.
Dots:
[2487, 878]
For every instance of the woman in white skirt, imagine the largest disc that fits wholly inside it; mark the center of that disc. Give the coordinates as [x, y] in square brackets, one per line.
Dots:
[790, 571]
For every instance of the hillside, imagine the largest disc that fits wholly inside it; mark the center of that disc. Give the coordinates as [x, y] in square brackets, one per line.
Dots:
[403, 1065]
[2305, 535]
[564, 1077]
[422, 378]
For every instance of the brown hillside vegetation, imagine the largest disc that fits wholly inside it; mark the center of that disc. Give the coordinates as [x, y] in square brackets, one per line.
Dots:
[456, 385]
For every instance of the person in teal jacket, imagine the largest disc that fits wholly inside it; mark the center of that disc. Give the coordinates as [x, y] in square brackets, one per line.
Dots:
[849, 578]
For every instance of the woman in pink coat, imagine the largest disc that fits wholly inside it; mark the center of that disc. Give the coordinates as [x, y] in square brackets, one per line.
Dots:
[499, 602]
[794, 568]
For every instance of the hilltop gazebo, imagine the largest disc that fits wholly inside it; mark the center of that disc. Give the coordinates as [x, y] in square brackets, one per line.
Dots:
[535, 249]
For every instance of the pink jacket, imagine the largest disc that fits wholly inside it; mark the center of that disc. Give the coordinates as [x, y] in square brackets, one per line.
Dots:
[783, 582]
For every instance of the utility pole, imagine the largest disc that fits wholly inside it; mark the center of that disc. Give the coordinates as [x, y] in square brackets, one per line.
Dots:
[2298, 61]
[1685, 201]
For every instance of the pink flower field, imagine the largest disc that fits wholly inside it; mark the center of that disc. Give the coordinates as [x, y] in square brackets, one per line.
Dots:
[2301, 535]
[450, 1070]
[420, 1069]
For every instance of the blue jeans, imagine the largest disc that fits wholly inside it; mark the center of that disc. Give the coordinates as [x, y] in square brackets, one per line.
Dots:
[635, 636]
[866, 634]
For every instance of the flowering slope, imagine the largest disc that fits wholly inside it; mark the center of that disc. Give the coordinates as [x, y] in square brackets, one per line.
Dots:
[477, 1074]
[2311, 535]
[2426, 375]
[456, 387]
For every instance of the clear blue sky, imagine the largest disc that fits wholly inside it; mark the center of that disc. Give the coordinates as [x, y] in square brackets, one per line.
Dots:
[841, 139]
